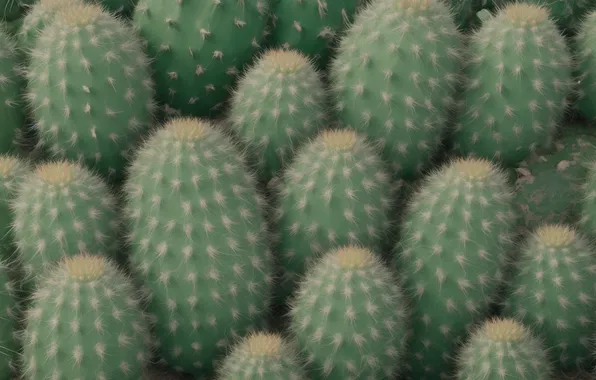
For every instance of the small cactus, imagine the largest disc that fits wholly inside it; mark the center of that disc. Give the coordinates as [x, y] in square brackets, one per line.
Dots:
[61, 209]
[518, 79]
[503, 349]
[11, 91]
[350, 317]
[279, 103]
[85, 322]
[262, 356]
[552, 292]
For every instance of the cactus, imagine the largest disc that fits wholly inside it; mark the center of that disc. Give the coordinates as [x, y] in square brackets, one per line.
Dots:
[90, 89]
[12, 173]
[585, 47]
[279, 103]
[262, 356]
[503, 349]
[119, 7]
[517, 86]
[11, 87]
[395, 76]
[37, 18]
[455, 242]
[85, 322]
[587, 205]
[312, 27]
[337, 191]
[567, 14]
[552, 292]
[60, 209]
[549, 186]
[350, 317]
[199, 48]
[198, 240]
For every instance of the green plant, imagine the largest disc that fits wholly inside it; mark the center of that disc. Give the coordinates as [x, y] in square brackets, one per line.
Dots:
[552, 292]
[199, 48]
[262, 356]
[337, 191]
[455, 241]
[312, 27]
[350, 317]
[11, 10]
[37, 18]
[61, 209]
[198, 242]
[90, 89]
[278, 104]
[518, 79]
[11, 88]
[395, 77]
[503, 349]
[85, 322]
[568, 14]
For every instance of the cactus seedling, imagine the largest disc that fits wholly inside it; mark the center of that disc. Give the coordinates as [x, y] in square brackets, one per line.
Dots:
[503, 349]
[262, 356]
[85, 322]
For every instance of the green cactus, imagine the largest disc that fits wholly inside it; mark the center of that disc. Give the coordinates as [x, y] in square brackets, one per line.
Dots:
[85, 322]
[503, 349]
[552, 292]
[395, 76]
[455, 242]
[549, 186]
[312, 27]
[336, 191]
[350, 317]
[262, 356]
[278, 104]
[585, 47]
[11, 88]
[60, 209]
[587, 205]
[9, 315]
[90, 89]
[517, 85]
[568, 14]
[37, 18]
[198, 240]
[199, 47]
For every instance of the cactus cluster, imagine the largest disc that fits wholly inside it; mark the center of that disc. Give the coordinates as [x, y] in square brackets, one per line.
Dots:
[297, 189]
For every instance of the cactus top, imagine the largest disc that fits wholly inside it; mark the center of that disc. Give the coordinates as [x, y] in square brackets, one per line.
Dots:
[80, 14]
[352, 257]
[555, 236]
[55, 4]
[59, 172]
[85, 267]
[524, 15]
[263, 344]
[9, 165]
[504, 330]
[415, 4]
[473, 168]
[285, 61]
[185, 129]
[342, 140]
